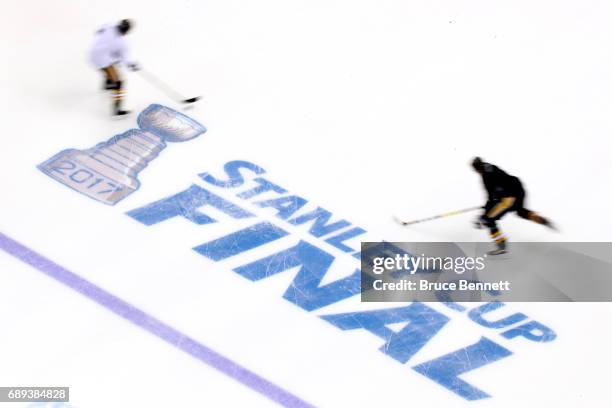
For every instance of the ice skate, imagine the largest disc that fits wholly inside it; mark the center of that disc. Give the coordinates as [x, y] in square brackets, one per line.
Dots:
[497, 251]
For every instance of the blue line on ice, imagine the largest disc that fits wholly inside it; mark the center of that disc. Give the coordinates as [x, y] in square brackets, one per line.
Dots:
[151, 324]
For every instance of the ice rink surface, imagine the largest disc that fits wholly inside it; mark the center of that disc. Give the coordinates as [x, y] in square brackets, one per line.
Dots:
[367, 109]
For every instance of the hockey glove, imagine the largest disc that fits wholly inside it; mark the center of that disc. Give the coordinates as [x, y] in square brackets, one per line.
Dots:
[479, 222]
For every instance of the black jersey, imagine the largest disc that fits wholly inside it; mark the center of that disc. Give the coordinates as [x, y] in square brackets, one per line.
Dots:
[500, 184]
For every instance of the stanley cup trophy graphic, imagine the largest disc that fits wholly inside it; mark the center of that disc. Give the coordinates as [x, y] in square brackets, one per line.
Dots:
[108, 171]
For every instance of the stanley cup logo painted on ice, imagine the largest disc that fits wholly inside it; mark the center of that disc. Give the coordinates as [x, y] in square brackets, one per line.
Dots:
[108, 171]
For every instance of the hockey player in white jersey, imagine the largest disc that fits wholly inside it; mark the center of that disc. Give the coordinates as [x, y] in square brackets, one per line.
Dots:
[108, 51]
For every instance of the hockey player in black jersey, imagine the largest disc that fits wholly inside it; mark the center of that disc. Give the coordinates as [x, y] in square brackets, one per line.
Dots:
[506, 194]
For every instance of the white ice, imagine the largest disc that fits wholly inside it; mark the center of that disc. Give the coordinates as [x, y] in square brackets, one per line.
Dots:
[369, 108]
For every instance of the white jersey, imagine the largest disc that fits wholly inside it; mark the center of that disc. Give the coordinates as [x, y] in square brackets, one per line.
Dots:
[109, 47]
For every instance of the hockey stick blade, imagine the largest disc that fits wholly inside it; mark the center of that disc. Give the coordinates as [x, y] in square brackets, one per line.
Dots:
[400, 222]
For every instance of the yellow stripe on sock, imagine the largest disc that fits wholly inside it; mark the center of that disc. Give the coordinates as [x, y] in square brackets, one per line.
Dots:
[500, 240]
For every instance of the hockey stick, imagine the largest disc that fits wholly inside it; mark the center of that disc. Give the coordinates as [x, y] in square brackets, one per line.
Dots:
[165, 88]
[448, 214]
